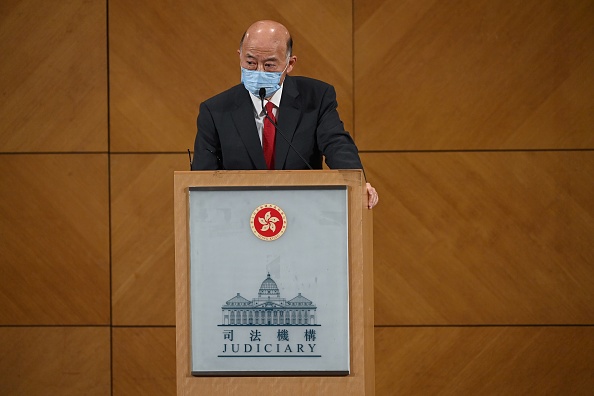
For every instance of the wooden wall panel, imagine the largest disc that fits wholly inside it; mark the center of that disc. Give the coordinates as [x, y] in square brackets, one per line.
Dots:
[167, 58]
[477, 238]
[142, 237]
[54, 239]
[60, 361]
[485, 361]
[53, 76]
[484, 238]
[474, 74]
[144, 361]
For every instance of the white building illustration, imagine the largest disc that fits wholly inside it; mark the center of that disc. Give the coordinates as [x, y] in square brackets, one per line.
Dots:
[269, 309]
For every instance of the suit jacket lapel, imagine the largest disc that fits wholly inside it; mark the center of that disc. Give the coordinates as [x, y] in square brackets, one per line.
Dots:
[289, 115]
[243, 117]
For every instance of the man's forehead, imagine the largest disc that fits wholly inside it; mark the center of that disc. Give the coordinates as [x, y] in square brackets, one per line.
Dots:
[260, 44]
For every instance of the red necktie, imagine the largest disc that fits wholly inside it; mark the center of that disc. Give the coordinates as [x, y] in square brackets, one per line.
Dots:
[268, 136]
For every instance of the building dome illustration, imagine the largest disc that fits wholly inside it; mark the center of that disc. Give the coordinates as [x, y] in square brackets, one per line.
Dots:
[269, 309]
[268, 288]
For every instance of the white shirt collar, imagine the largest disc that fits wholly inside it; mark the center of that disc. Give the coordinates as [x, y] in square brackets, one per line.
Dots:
[275, 99]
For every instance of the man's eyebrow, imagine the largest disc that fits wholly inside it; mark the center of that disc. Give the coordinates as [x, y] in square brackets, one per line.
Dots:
[270, 59]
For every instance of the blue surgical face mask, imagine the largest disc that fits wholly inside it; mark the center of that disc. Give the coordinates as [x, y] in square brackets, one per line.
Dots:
[253, 80]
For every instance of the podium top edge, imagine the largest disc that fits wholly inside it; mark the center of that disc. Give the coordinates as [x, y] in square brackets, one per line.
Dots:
[271, 172]
[272, 177]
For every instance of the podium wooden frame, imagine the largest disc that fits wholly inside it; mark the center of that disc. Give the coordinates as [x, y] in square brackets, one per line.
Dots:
[361, 379]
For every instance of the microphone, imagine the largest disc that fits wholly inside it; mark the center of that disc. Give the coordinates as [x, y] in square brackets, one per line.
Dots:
[262, 94]
[219, 160]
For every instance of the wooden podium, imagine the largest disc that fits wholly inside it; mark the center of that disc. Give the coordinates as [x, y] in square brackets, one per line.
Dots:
[359, 379]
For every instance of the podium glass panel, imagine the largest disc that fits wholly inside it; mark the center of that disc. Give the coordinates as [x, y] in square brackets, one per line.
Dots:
[269, 287]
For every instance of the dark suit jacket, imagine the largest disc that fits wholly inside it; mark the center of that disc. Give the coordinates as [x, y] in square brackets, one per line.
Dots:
[227, 136]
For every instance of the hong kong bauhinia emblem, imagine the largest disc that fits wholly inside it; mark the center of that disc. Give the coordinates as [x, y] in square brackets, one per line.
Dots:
[268, 222]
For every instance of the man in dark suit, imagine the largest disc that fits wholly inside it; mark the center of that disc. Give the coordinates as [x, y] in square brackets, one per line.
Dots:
[232, 126]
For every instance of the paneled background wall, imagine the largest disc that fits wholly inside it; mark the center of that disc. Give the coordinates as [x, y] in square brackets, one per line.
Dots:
[475, 121]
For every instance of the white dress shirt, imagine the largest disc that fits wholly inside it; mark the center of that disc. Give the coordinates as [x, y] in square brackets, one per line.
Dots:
[259, 111]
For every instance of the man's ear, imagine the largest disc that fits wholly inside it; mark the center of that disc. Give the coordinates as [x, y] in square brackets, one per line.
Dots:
[292, 61]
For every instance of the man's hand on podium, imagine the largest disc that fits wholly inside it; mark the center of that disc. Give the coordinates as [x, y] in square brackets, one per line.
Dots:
[373, 198]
